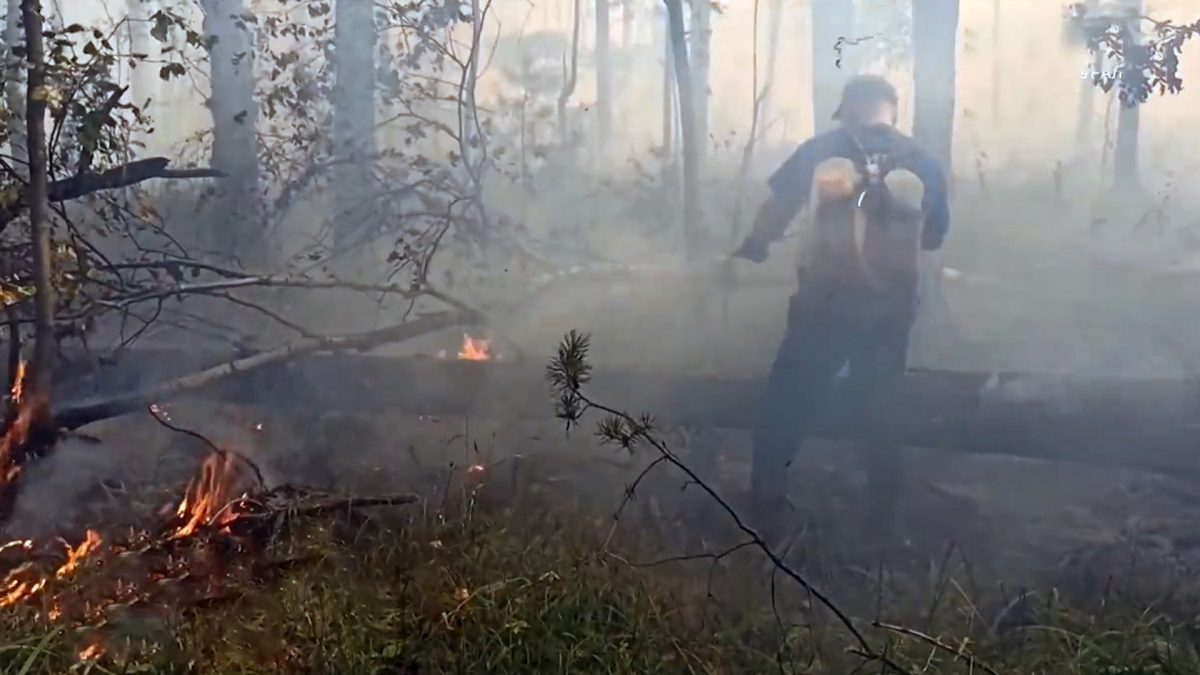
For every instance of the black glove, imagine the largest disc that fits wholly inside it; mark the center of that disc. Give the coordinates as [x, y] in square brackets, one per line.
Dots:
[752, 250]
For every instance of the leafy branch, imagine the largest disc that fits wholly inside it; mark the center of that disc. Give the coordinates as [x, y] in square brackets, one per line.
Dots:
[1145, 64]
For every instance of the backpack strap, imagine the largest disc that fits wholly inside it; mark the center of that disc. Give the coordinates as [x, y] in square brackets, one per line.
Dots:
[873, 167]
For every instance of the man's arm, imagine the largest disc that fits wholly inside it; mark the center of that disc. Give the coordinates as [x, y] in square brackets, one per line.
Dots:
[790, 187]
[935, 202]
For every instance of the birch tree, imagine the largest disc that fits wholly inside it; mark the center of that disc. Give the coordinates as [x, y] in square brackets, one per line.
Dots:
[604, 91]
[935, 47]
[831, 19]
[700, 53]
[14, 96]
[353, 115]
[687, 124]
[227, 35]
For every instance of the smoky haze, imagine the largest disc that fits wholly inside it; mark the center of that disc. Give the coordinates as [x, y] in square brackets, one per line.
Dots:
[1046, 267]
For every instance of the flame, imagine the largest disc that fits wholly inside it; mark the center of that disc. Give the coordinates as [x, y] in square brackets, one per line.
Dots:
[16, 590]
[18, 387]
[77, 554]
[21, 583]
[475, 349]
[214, 498]
[26, 544]
[209, 496]
[18, 431]
[91, 652]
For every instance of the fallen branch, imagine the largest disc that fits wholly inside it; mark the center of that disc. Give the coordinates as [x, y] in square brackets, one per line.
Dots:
[73, 417]
[329, 504]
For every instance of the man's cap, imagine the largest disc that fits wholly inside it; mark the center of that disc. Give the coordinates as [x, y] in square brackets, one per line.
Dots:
[864, 90]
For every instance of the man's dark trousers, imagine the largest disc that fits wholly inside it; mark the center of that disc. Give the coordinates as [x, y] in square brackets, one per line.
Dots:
[826, 329]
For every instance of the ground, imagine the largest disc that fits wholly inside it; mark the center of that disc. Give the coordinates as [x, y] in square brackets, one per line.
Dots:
[504, 562]
[510, 562]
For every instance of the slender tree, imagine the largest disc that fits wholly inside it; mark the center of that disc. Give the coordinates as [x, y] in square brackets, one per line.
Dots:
[603, 75]
[935, 46]
[14, 95]
[1087, 106]
[628, 23]
[570, 75]
[687, 124]
[353, 115]
[700, 53]
[996, 61]
[235, 115]
[668, 90]
[143, 84]
[775, 21]
[1126, 173]
[37, 197]
[831, 19]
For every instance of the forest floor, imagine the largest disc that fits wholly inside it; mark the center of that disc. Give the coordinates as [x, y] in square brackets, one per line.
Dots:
[511, 561]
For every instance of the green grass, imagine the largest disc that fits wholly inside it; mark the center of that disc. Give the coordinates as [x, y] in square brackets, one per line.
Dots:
[431, 599]
[518, 594]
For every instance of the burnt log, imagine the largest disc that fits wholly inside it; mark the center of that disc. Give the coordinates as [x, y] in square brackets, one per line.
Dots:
[1137, 424]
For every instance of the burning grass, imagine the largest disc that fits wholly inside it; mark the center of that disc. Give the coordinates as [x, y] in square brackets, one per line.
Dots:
[525, 592]
[211, 548]
[233, 577]
[420, 597]
[508, 595]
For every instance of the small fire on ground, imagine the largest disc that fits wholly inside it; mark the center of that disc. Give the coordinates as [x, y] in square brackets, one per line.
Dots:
[472, 349]
[184, 563]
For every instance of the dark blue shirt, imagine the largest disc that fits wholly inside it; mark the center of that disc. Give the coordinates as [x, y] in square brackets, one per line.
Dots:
[792, 182]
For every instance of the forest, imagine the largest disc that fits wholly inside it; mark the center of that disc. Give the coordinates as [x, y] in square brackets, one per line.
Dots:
[409, 336]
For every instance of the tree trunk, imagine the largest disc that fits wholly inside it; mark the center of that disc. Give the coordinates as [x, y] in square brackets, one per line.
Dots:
[668, 92]
[571, 76]
[935, 42]
[354, 116]
[831, 19]
[628, 23]
[603, 77]
[1126, 173]
[37, 197]
[775, 19]
[235, 116]
[1087, 108]
[143, 82]
[687, 124]
[701, 58]
[14, 97]
[996, 61]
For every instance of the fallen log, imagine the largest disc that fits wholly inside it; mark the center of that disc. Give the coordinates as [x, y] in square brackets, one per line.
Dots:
[1137, 424]
[81, 413]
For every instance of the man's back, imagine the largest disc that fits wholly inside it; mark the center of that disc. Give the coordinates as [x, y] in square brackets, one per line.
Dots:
[870, 188]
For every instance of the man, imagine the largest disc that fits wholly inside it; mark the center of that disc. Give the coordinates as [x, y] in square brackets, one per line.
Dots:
[877, 197]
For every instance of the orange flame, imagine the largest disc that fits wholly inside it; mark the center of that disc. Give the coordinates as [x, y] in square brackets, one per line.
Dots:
[18, 431]
[16, 590]
[208, 499]
[77, 554]
[91, 652]
[18, 387]
[475, 349]
[21, 584]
